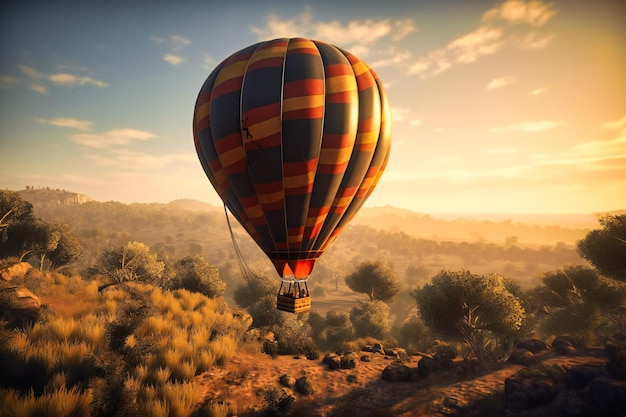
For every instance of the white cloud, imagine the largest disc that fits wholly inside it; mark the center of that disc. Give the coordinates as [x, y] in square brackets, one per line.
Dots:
[416, 122]
[538, 91]
[111, 138]
[30, 72]
[358, 36]
[529, 127]
[533, 12]
[173, 42]
[615, 124]
[69, 80]
[490, 37]
[39, 88]
[8, 81]
[67, 122]
[209, 63]
[399, 114]
[138, 161]
[394, 58]
[173, 59]
[501, 82]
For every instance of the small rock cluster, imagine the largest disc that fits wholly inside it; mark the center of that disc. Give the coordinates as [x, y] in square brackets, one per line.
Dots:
[581, 391]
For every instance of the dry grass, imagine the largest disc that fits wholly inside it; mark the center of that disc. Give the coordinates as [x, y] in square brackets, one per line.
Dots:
[62, 402]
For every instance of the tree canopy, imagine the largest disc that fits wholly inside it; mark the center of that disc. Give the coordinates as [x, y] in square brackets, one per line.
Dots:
[605, 248]
[130, 262]
[451, 298]
[376, 279]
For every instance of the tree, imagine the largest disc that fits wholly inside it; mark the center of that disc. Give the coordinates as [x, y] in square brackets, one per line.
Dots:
[461, 306]
[255, 288]
[67, 250]
[605, 248]
[376, 279]
[130, 262]
[370, 319]
[578, 301]
[194, 273]
[13, 209]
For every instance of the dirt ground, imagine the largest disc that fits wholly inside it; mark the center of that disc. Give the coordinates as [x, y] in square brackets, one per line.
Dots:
[361, 392]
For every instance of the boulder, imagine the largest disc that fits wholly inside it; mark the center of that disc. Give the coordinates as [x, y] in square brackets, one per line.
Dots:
[522, 357]
[615, 348]
[528, 388]
[366, 358]
[15, 271]
[304, 386]
[348, 361]
[332, 360]
[532, 345]
[564, 345]
[378, 348]
[608, 395]
[287, 381]
[578, 377]
[398, 353]
[426, 366]
[20, 305]
[398, 372]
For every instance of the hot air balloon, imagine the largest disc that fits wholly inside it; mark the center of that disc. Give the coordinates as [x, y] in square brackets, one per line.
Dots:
[293, 134]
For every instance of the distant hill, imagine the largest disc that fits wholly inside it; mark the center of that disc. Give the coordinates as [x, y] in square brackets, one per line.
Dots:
[37, 196]
[520, 228]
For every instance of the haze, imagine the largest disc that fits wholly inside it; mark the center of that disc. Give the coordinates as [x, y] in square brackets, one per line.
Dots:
[497, 106]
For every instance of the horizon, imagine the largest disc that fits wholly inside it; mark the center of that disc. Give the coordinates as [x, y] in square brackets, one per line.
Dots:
[498, 107]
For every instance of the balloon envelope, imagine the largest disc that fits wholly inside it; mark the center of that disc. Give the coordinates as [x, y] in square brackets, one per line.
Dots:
[293, 134]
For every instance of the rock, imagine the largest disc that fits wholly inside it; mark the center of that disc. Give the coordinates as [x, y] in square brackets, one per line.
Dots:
[522, 357]
[398, 372]
[427, 366]
[333, 361]
[366, 358]
[352, 379]
[532, 345]
[578, 377]
[287, 381]
[615, 348]
[348, 361]
[398, 353]
[378, 348]
[564, 345]
[528, 388]
[20, 306]
[15, 271]
[303, 386]
[608, 395]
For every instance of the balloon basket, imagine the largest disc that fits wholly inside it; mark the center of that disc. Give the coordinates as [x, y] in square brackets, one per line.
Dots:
[293, 296]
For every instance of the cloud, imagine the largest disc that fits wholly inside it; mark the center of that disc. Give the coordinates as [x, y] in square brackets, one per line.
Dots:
[399, 114]
[8, 81]
[111, 138]
[209, 63]
[501, 82]
[173, 59]
[30, 72]
[359, 36]
[499, 151]
[173, 42]
[529, 127]
[533, 12]
[39, 88]
[492, 35]
[416, 122]
[138, 161]
[538, 91]
[67, 122]
[615, 125]
[69, 80]
[393, 58]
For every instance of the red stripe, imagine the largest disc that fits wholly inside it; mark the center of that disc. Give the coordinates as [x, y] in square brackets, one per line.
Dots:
[338, 69]
[332, 169]
[305, 189]
[266, 63]
[341, 97]
[233, 84]
[291, 169]
[301, 88]
[337, 141]
[311, 113]
[269, 188]
[226, 143]
[365, 81]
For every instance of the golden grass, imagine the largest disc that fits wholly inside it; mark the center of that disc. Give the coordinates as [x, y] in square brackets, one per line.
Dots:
[181, 398]
[223, 348]
[60, 403]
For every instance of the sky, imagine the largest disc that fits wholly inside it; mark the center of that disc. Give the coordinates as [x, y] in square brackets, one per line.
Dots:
[497, 106]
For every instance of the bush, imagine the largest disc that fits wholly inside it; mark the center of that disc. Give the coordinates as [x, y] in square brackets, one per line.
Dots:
[370, 319]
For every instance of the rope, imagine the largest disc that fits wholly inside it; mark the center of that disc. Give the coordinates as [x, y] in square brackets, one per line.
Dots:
[243, 266]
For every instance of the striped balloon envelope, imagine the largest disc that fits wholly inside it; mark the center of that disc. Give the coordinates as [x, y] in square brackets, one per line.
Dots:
[293, 134]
